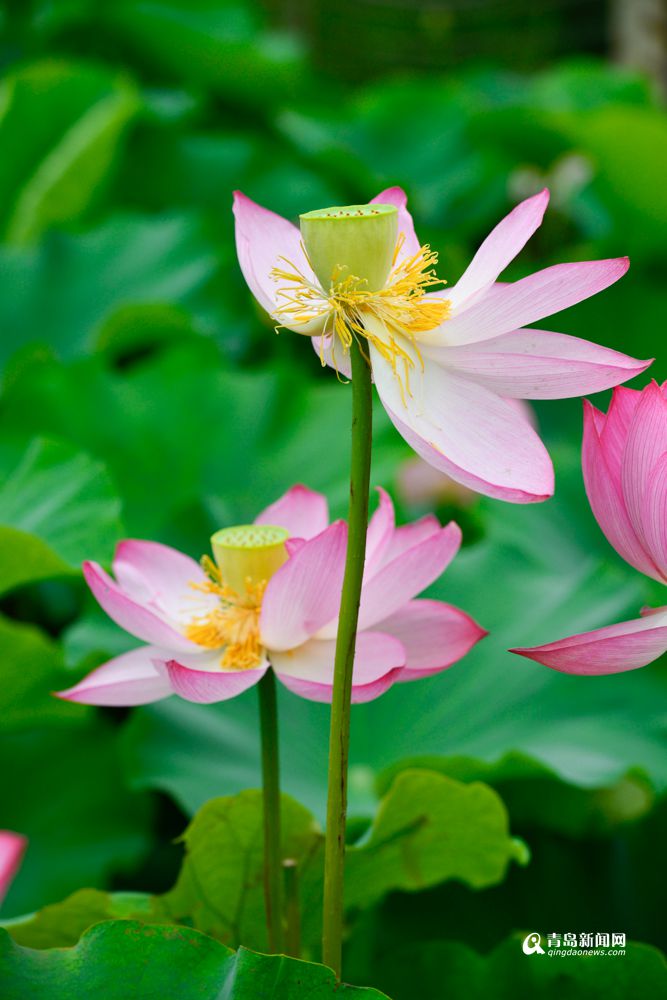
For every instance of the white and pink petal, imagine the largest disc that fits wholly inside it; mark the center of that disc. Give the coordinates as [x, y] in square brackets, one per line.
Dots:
[308, 670]
[435, 636]
[129, 679]
[303, 512]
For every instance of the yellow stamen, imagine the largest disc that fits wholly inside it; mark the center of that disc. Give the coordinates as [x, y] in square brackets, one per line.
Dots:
[233, 625]
[401, 307]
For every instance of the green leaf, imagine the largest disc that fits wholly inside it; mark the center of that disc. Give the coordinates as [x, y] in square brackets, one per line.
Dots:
[60, 127]
[65, 291]
[448, 969]
[81, 822]
[220, 887]
[56, 509]
[31, 668]
[430, 829]
[123, 960]
[220, 47]
[60, 925]
[535, 796]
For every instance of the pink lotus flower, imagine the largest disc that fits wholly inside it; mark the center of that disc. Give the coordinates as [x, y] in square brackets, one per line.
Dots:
[12, 848]
[625, 471]
[444, 361]
[207, 643]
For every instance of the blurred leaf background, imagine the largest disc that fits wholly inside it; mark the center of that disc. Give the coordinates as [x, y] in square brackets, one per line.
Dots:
[143, 394]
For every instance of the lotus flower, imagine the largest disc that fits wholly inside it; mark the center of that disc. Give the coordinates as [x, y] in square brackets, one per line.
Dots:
[625, 471]
[211, 635]
[12, 847]
[443, 361]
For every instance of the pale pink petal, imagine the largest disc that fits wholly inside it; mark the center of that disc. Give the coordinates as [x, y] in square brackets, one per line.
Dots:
[537, 364]
[381, 529]
[609, 650]
[467, 432]
[305, 592]
[406, 227]
[398, 581]
[435, 636]
[202, 680]
[500, 247]
[12, 848]
[308, 670]
[262, 240]
[130, 679]
[141, 621]
[646, 444]
[506, 307]
[161, 578]
[406, 536]
[606, 499]
[654, 515]
[330, 352]
[303, 512]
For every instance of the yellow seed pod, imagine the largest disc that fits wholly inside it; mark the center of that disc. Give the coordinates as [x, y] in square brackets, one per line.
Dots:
[249, 554]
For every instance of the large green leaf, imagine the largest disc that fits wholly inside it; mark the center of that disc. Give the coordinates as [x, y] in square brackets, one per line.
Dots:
[60, 128]
[57, 508]
[123, 960]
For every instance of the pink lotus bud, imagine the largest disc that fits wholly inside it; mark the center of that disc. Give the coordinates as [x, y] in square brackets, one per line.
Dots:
[12, 847]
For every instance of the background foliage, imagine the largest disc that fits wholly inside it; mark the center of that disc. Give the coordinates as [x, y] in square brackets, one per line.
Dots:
[143, 394]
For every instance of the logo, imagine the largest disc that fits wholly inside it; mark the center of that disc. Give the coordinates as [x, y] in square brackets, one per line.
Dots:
[532, 944]
[603, 943]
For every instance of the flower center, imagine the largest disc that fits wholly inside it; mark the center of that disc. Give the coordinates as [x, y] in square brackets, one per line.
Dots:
[400, 306]
[246, 557]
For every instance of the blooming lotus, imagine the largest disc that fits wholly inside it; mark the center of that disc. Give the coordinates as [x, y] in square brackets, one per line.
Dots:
[625, 471]
[271, 599]
[443, 361]
[12, 847]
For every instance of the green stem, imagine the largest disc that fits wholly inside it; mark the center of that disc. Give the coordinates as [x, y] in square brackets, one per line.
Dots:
[292, 908]
[339, 740]
[273, 872]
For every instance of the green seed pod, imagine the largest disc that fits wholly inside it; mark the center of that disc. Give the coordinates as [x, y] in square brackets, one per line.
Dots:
[356, 240]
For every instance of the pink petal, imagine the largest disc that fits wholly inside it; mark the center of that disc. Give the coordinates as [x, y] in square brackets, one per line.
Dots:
[609, 650]
[537, 364]
[435, 636]
[133, 616]
[305, 592]
[201, 679]
[398, 581]
[606, 499]
[381, 528]
[157, 575]
[506, 307]
[467, 432]
[12, 849]
[406, 227]
[645, 445]
[614, 427]
[654, 515]
[130, 679]
[500, 247]
[262, 238]
[303, 512]
[308, 670]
